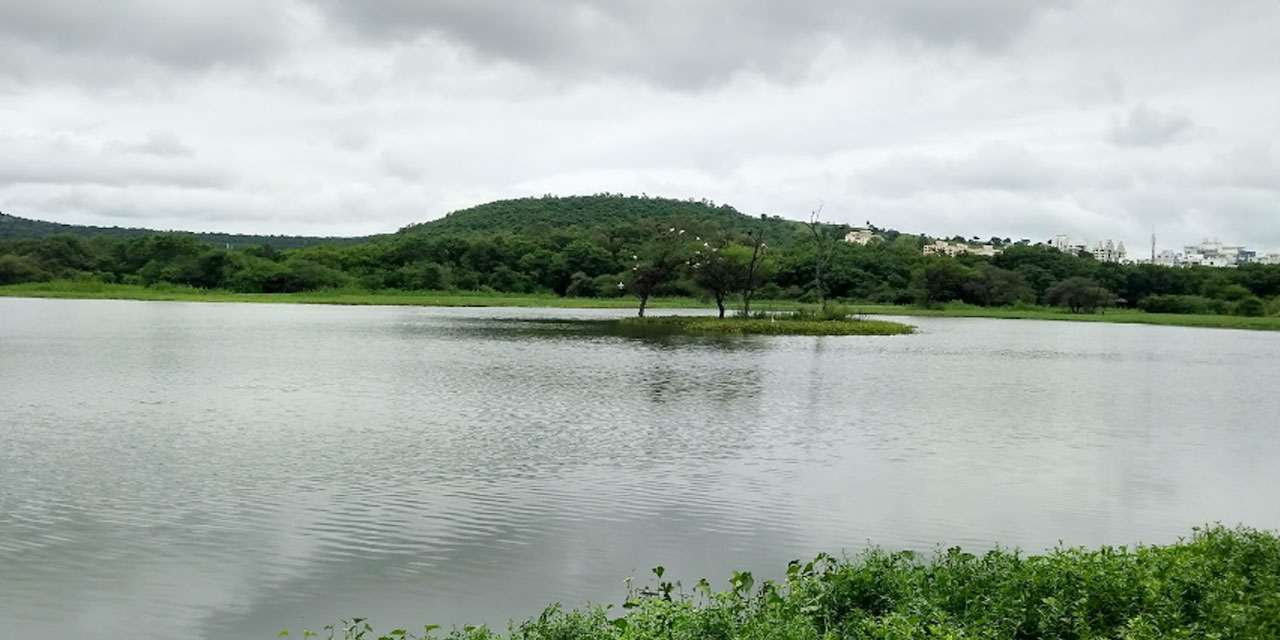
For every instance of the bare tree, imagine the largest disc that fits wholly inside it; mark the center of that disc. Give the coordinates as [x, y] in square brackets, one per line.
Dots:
[823, 246]
[758, 249]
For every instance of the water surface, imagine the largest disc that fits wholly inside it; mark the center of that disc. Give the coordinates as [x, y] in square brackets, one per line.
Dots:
[225, 471]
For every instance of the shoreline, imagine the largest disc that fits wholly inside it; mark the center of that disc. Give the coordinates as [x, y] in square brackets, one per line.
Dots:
[102, 291]
[1218, 580]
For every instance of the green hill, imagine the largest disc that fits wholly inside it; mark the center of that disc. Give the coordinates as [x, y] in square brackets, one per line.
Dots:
[13, 227]
[538, 216]
[531, 216]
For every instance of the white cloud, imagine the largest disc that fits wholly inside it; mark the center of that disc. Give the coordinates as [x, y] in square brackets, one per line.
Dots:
[1143, 126]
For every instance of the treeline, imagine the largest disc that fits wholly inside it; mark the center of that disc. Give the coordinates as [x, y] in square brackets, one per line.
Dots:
[648, 246]
[12, 227]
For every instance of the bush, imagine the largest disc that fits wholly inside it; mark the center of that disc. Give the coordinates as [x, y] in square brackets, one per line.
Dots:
[581, 286]
[607, 286]
[768, 291]
[18, 269]
[1251, 306]
[305, 275]
[1221, 583]
[1080, 295]
[1175, 304]
[420, 276]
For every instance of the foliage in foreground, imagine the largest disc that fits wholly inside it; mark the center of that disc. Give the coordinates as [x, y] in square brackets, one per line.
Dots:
[1221, 583]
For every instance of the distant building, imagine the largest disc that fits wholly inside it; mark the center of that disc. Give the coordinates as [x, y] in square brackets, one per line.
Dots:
[1270, 258]
[861, 236]
[1108, 251]
[1212, 253]
[944, 248]
[1066, 245]
[1103, 250]
[1170, 258]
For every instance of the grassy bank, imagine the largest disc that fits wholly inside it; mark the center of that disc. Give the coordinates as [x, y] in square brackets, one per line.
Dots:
[782, 326]
[1220, 583]
[98, 290]
[174, 293]
[1117, 316]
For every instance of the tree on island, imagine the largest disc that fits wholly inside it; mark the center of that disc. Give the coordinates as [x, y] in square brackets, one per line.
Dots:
[823, 247]
[756, 269]
[718, 267]
[654, 264]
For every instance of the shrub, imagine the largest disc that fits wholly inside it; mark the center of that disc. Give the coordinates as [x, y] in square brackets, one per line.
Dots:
[1221, 583]
[18, 269]
[607, 286]
[581, 286]
[1251, 306]
[1175, 304]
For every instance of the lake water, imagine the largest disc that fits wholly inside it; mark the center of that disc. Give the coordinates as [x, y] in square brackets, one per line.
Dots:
[174, 470]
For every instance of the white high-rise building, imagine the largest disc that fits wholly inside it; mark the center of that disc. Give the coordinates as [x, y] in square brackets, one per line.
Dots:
[1212, 253]
[1066, 245]
[1109, 251]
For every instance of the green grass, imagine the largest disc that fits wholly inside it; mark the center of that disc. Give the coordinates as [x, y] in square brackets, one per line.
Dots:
[165, 292]
[769, 326]
[1220, 584]
[175, 293]
[1117, 316]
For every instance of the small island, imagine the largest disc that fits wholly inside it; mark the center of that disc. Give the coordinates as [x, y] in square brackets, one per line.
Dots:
[773, 325]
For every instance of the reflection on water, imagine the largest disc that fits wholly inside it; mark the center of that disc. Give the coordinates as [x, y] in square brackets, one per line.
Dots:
[224, 471]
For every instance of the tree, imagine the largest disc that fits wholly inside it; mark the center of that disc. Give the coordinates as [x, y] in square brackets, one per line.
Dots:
[1250, 305]
[581, 286]
[654, 264]
[720, 269]
[587, 257]
[940, 280]
[823, 243]
[16, 269]
[992, 286]
[1078, 294]
[755, 269]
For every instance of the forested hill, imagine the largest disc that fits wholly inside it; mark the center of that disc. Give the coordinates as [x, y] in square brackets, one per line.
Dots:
[13, 227]
[541, 215]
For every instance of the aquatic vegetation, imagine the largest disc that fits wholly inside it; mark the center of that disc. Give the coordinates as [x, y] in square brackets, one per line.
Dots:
[1219, 583]
[788, 324]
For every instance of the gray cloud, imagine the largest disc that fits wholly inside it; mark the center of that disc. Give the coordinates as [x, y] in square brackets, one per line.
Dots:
[162, 144]
[1144, 126]
[66, 159]
[680, 43]
[110, 42]
[994, 117]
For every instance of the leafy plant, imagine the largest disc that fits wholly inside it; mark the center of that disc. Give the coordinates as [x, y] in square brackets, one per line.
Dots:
[1219, 583]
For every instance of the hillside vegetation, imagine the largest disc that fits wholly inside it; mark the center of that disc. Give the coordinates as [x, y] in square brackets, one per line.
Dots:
[611, 246]
[541, 216]
[13, 227]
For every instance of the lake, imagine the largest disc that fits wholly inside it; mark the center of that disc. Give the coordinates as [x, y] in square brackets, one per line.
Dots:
[190, 470]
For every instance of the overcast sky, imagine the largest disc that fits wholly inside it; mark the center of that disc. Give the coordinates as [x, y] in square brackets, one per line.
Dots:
[1021, 118]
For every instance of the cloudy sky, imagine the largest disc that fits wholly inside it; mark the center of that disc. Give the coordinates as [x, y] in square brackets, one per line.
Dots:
[1023, 118]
